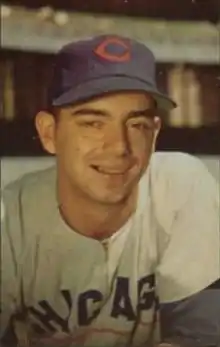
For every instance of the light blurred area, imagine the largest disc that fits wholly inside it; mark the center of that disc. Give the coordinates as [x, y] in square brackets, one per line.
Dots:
[13, 168]
[184, 38]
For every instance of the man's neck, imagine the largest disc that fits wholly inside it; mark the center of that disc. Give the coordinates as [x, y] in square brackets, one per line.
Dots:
[93, 219]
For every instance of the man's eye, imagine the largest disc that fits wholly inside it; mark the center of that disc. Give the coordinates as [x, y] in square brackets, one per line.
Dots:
[92, 124]
[140, 126]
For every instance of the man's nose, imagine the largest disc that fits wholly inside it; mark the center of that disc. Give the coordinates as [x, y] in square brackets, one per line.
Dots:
[118, 142]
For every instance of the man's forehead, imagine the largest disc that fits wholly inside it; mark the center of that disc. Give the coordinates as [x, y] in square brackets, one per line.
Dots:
[119, 109]
[119, 100]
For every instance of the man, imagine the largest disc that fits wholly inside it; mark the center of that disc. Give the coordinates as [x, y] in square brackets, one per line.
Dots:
[116, 245]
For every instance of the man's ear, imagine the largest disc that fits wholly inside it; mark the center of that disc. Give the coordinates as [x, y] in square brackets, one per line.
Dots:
[157, 128]
[46, 127]
[158, 125]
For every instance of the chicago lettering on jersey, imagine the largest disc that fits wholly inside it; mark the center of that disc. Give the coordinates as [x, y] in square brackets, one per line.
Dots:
[122, 305]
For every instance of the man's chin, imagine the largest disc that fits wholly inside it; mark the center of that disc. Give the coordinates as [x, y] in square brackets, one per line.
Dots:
[111, 198]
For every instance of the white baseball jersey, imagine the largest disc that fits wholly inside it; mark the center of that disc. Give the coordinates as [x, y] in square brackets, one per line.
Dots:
[71, 290]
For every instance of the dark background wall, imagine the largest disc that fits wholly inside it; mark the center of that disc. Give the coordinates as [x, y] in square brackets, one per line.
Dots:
[24, 78]
[169, 9]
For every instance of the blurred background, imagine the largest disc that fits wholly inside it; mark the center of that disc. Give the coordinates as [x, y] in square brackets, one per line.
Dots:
[184, 36]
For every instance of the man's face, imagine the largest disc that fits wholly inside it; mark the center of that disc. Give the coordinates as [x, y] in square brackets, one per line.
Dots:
[103, 146]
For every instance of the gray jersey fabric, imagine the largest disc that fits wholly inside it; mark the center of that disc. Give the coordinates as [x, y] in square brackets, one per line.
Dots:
[64, 289]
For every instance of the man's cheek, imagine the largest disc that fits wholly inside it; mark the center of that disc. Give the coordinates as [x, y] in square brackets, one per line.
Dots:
[87, 146]
[144, 160]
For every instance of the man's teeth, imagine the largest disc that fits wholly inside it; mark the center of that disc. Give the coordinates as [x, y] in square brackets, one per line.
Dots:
[111, 172]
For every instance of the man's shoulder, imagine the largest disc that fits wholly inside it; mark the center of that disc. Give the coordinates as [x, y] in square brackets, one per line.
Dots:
[177, 168]
[174, 176]
[176, 163]
[31, 182]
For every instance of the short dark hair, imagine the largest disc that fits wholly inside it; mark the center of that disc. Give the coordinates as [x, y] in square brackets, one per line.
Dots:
[54, 111]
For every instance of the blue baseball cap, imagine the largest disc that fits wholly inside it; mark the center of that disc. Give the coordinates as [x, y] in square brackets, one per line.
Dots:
[104, 64]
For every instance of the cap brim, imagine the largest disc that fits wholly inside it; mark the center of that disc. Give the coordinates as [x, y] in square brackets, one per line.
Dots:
[98, 87]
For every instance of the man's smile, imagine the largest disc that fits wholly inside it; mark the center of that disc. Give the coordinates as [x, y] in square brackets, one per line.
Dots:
[110, 170]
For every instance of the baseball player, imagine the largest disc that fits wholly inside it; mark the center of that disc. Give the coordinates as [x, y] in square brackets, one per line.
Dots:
[116, 244]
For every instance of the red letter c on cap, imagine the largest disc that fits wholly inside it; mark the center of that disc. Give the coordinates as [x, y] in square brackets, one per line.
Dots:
[101, 50]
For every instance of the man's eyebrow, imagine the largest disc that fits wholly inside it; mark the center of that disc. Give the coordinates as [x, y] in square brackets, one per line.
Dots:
[148, 113]
[90, 111]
